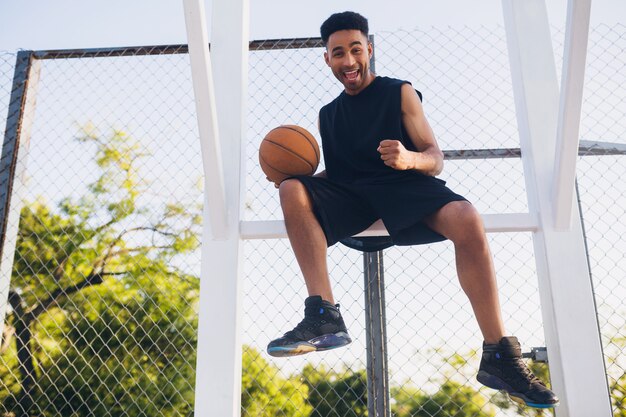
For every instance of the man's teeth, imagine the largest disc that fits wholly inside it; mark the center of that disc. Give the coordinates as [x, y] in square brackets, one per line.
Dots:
[351, 74]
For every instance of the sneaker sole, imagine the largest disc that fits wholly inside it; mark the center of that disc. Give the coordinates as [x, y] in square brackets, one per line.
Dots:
[317, 344]
[494, 382]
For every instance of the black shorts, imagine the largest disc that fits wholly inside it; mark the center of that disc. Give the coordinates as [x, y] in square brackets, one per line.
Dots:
[402, 202]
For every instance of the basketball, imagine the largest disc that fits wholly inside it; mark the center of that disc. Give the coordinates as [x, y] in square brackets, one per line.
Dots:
[288, 150]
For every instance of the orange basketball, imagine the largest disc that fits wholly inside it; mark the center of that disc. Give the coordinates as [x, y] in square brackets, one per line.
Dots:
[288, 150]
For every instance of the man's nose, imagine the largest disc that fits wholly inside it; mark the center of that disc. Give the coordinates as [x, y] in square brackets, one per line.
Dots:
[349, 62]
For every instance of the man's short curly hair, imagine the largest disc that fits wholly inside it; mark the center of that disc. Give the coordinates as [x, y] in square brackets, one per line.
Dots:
[343, 21]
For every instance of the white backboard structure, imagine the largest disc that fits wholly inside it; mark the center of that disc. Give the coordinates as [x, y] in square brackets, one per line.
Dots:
[548, 129]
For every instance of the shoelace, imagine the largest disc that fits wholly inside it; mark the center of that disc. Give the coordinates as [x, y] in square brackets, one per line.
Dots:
[523, 373]
[307, 323]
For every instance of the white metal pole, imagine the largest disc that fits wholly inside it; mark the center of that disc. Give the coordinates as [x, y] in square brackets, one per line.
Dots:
[568, 309]
[494, 223]
[567, 139]
[218, 366]
[206, 114]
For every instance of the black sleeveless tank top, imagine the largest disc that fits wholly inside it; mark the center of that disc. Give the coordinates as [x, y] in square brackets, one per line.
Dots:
[353, 126]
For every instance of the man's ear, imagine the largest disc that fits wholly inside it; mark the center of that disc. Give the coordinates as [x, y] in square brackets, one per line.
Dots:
[370, 49]
[326, 58]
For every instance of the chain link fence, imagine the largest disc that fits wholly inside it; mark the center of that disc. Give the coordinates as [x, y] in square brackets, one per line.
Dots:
[104, 291]
[102, 318]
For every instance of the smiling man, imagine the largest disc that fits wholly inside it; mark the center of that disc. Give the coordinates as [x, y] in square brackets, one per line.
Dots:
[381, 160]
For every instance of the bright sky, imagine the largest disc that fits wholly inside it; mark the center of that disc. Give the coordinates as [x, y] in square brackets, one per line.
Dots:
[35, 24]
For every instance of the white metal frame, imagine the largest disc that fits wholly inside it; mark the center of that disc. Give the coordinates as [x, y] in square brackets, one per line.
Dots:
[218, 367]
[568, 309]
[567, 138]
[510, 222]
[200, 60]
[572, 333]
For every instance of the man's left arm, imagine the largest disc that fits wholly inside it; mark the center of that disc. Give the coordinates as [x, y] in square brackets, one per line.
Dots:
[428, 159]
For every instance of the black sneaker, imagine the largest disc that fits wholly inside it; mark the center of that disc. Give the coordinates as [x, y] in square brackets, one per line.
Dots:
[321, 329]
[502, 368]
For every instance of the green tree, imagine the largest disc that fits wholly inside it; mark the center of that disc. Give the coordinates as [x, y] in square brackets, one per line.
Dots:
[452, 399]
[99, 314]
[128, 347]
[614, 349]
[618, 395]
[336, 394]
[264, 393]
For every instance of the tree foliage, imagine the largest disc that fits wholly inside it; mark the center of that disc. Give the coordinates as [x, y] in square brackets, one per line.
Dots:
[100, 319]
[336, 393]
[265, 393]
[452, 399]
[616, 366]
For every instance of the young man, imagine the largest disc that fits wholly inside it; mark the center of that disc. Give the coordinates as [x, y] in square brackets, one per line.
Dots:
[381, 160]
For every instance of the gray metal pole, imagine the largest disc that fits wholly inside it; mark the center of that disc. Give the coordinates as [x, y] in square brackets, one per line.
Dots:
[376, 324]
[13, 164]
[11, 143]
[376, 333]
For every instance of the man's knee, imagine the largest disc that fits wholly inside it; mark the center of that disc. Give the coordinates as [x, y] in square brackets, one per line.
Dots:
[469, 221]
[464, 222]
[468, 215]
[293, 194]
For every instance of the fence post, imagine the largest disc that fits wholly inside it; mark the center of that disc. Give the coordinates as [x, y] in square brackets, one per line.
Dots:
[376, 334]
[376, 323]
[13, 164]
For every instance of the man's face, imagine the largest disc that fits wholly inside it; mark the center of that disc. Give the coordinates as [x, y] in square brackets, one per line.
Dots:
[348, 55]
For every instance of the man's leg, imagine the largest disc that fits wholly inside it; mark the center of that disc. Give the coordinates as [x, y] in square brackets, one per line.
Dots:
[501, 365]
[460, 222]
[323, 327]
[306, 237]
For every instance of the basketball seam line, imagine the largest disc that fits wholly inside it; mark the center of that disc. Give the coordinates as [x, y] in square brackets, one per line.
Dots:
[275, 169]
[317, 155]
[290, 151]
